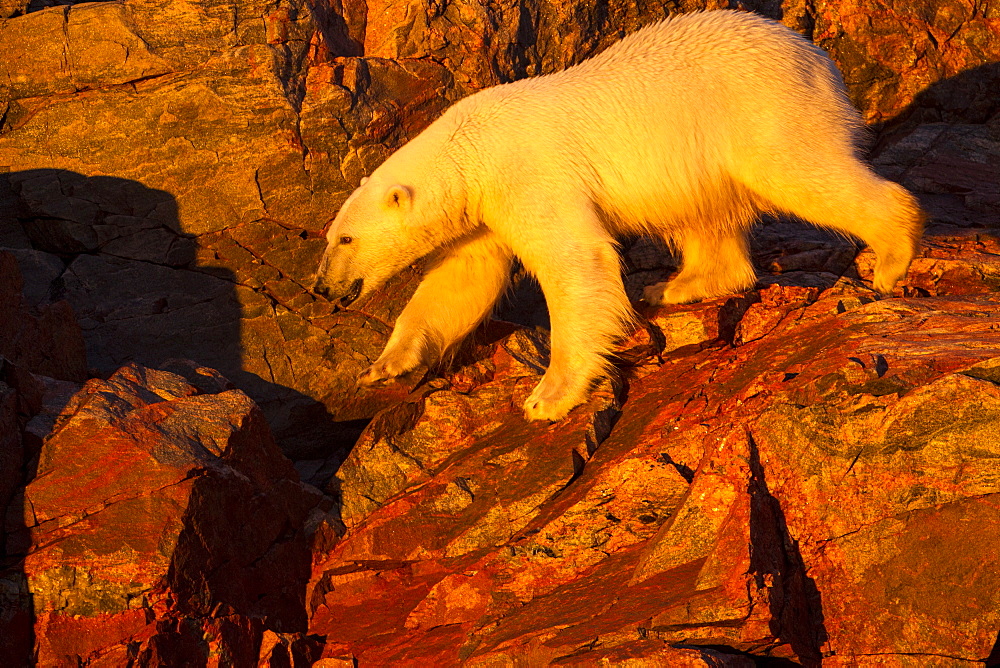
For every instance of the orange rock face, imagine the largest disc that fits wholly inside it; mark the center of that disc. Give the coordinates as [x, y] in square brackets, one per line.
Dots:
[800, 474]
[160, 149]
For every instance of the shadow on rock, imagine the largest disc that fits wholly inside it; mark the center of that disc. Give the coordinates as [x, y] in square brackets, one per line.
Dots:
[968, 97]
[42, 363]
[144, 291]
[166, 527]
[796, 606]
[20, 399]
[212, 553]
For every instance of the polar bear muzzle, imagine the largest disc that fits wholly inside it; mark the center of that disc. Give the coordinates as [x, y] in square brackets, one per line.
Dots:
[346, 298]
[353, 293]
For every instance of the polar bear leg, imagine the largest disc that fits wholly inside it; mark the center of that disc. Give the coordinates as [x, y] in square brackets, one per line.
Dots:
[846, 196]
[458, 291]
[714, 263]
[887, 218]
[578, 268]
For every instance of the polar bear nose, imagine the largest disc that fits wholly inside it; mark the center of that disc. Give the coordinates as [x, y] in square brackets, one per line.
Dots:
[320, 288]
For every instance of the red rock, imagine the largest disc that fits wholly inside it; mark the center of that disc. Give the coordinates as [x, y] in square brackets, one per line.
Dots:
[725, 509]
[164, 524]
[963, 263]
[890, 53]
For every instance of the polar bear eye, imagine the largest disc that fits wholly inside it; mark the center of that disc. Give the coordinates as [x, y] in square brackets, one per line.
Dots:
[344, 240]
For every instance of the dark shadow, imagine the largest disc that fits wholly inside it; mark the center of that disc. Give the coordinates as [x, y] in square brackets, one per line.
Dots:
[795, 603]
[954, 171]
[142, 292]
[20, 400]
[993, 660]
[115, 251]
[129, 272]
[945, 147]
[342, 24]
[29, 6]
[727, 651]
[524, 302]
[968, 97]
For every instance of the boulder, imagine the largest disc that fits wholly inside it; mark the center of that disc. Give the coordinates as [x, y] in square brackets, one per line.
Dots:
[163, 525]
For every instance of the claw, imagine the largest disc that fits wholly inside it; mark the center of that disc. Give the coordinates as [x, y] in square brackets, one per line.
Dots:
[369, 377]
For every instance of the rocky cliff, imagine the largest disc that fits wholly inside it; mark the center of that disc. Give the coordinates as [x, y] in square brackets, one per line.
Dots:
[802, 473]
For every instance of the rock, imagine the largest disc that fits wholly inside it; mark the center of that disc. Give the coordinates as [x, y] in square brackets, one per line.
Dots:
[930, 58]
[765, 465]
[294, 650]
[956, 165]
[163, 524]
[56, 395]
[36, 341]
[734, 504]
[699, 324]
[652, 652]
[183, 162]
[427, 469]
[486, 45]
[39, 270]
[46, 340]
[889, 53]
[21, 396]
[214, 253]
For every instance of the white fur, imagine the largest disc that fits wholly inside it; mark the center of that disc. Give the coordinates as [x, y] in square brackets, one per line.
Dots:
[685, 130]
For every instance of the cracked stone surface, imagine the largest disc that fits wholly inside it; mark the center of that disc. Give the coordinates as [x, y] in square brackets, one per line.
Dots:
[836, 455]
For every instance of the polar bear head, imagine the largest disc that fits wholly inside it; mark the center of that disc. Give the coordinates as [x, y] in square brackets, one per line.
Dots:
[369, 241]
[412, 204]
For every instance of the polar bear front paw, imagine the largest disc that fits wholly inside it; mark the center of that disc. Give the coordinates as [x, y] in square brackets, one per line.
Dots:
[374, 375]
[670, 292]
[384, 370]
[549, 404]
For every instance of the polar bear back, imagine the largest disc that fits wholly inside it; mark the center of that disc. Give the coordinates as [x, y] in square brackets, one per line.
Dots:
[667, 121]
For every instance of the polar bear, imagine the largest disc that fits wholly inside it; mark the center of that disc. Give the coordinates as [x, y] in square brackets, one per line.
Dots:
[685, 130]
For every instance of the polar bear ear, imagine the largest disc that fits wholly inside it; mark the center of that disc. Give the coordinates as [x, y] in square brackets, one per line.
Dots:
[397, 196]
